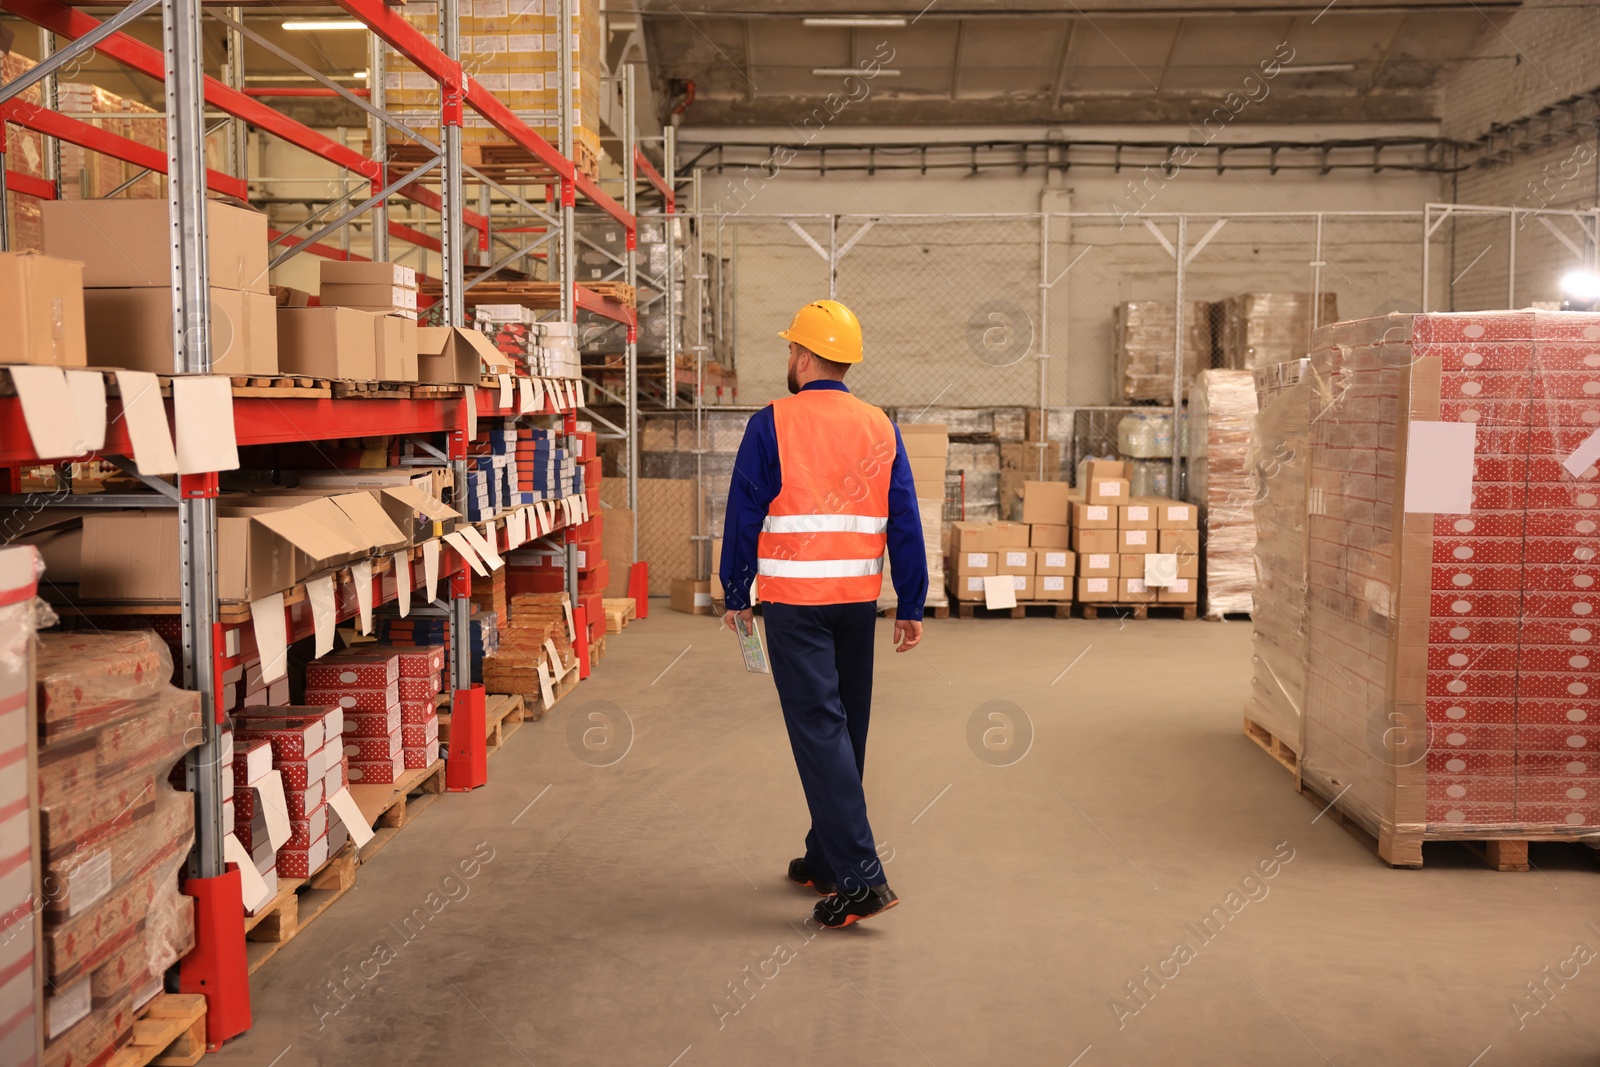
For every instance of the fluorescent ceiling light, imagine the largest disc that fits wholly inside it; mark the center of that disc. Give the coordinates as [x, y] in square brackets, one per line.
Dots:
[360, 75]
[325, 24]
[843, 21]
[845, 72]
[1318, 68]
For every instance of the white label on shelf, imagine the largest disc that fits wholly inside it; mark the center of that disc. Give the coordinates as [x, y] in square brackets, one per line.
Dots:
[402, 581]
[464, 550]
[1439, 459]
[344, 805]
[48, 411]
[274, 807]
[88, 389]
[538, 395]
[483, 544]
[430, 569]
[525, 399]
[550, 650]
[545, 691]
[505, 392]
[361, 574]
[324, 614]
[469, 397]
[255, 891]
[266, 616]
[572, 629]
[202, 411]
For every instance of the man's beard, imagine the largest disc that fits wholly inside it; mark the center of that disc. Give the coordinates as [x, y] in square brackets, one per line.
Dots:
[794, 383]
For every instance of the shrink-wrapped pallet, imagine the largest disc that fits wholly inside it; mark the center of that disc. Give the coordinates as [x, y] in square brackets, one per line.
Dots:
[1222, 412]
[1144, 335]
[1256, 330]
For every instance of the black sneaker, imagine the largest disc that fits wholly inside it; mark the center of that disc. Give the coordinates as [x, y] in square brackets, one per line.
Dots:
[800, 874]
[841, 910]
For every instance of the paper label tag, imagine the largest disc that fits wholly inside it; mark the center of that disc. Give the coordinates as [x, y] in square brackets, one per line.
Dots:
[1179, 585]
[1053, 583]
[555, 657]
[275, 806]
[255, 891]
[546, 692]
[977, 559]
[702, 600]
[430, 569]
[1099, 512]
[1135, 537]
[505, 391]
[324, 612]
[999, 591]
[1439, 461]
[1099, 585]
[344, 805]
[1055, 559]
[361, 575]
[1178, 514]
[202, 409]
[1138, 513]
[146, 417]
[1136, 585]
[1016, 559]
[266, 617]
[1099, 560]
[402, 581]
[1111, 488]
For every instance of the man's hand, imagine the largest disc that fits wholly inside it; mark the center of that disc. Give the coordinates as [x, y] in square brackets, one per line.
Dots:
[748, 615]
[907, 634]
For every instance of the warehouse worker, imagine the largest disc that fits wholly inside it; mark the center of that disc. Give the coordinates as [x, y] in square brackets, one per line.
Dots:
[821, 487]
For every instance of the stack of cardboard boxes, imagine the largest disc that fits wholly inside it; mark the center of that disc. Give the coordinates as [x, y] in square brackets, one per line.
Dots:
[248, 768]
[19, 928]
[927, 448]
[387, 293]
[127, 277]
[113, 833]
[1115, 536]
[364, 684]
[1034, 554]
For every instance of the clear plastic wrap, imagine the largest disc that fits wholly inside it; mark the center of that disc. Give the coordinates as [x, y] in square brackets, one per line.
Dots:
[1143, 338]
[1222, 412]
[1257, 330]
[1278, 473]
[87, 679]
[1451, 689]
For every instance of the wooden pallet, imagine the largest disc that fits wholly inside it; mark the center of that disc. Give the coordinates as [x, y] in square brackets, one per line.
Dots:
[936, 611]
[299, 901]
[279, 386]
[597, 650]
[1503, 852]
[1138, 611]
[970, 609]
[1272, 746]
[536, 295]
[169, 1032]
[389, 809]
[619, 611]
[373, 390]
[435, 391]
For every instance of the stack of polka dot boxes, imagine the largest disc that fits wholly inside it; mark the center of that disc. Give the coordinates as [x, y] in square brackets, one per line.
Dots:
[1452, 498]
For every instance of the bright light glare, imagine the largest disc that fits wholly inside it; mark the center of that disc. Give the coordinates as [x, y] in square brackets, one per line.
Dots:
[1581, 285]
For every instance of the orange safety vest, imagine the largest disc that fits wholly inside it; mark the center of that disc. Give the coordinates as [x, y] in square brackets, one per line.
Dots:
[823, 539]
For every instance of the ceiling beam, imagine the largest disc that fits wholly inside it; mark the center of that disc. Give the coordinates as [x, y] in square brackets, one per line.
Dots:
[1172, 50]
[1383, 57]
[749, 62]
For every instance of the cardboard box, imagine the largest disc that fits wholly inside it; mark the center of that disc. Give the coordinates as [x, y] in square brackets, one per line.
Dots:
[327, 342]
[1023, 584]
[41, 305]
[1181, 591]
[1183, 542]
[980, 563]
[1107, 491]
[1086, 516]
[1042, 536]
[966, 586]
[1038, 424]
[1099, 589]
[1134, 591]
[360, 272]
[1094, 541]
[1014, 561]
[380, 297]
[974, 537]
[1136, 540]
[691, 596]
[1052, 587]
[1103, 468]
[132, 328]
[1062, 562]
[1011, 534]
[449, 355]
[1130, 564]
[133, 555]
[395, 340]
[1175, 515]
[927, 474]
[1098, 564]
[925, 441]
[1046, 503]
[128, 243]
[1138, 515]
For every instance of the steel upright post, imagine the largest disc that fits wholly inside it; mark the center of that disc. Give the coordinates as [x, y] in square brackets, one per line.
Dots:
[569, 250]
[452, 251]
[630, 146]
[378, 133]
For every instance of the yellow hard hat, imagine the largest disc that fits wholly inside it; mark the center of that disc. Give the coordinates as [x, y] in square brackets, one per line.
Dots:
[829, 329]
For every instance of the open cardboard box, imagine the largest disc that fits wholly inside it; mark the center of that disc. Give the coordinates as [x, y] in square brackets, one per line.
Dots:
[446, 354]
[133, 555]
[410, 512]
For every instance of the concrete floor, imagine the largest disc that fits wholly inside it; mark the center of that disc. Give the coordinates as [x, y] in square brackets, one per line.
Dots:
[623, 903]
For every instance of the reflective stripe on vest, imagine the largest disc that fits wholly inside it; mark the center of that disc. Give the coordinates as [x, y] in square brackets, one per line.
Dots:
[819, 568]
[867, 524]
[823, 539]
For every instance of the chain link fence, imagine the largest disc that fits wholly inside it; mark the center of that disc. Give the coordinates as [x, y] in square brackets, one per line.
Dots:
[984, 322]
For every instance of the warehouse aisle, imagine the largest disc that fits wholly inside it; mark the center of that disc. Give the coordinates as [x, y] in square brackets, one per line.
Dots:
[637, 913]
